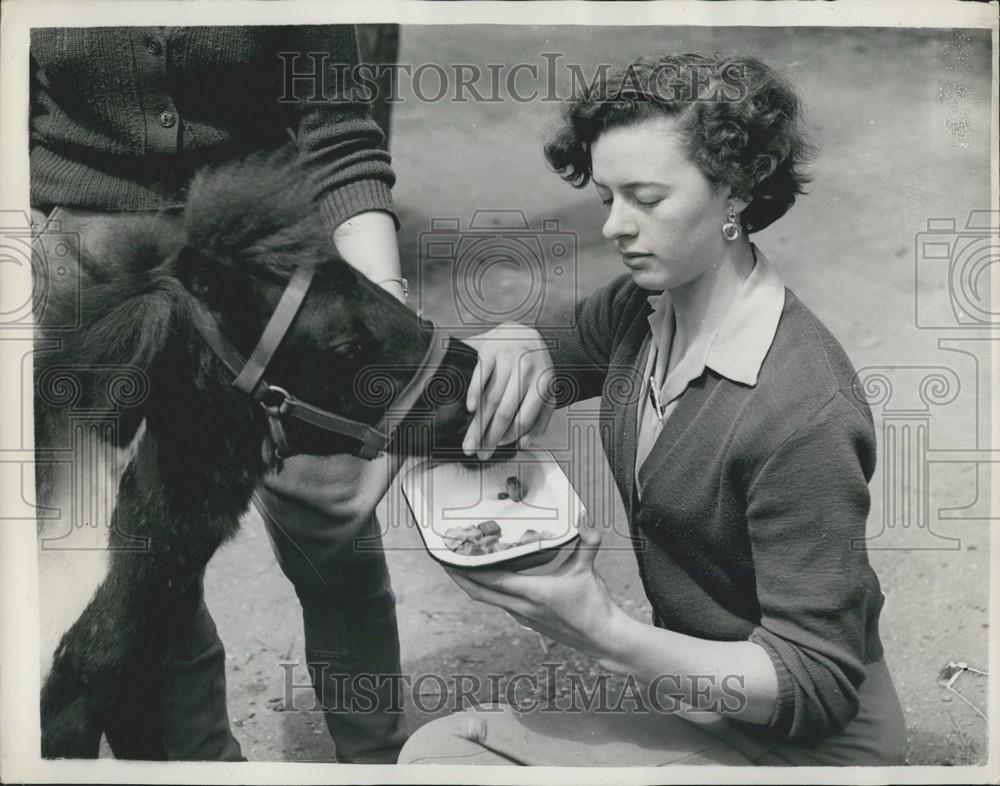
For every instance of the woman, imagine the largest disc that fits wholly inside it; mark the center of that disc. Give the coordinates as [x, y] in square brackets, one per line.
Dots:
[743, 462]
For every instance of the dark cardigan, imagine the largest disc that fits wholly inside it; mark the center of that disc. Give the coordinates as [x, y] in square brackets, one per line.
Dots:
[121, 117]
[755, 500]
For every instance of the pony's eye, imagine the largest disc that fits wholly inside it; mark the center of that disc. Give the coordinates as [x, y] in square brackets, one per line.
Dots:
[349, 351]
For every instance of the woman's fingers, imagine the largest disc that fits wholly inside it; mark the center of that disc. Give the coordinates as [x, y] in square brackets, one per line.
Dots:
[534, 406]
[484, 594]
[584, 550]
[504, 406]
[480, 400]
[503, 581]
[507, 389]
[589, 533]
[524, 416]
[480, 375]
[534, 413]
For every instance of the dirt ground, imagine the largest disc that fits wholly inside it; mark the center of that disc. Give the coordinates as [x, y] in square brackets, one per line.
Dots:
[901, 121]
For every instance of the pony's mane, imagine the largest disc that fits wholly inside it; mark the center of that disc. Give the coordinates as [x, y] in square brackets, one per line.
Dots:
[253, 214]
[128, 292]
[257, 212]
[125, 291]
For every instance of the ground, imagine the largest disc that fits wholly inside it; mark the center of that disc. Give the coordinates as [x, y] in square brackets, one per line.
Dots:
[901, 122]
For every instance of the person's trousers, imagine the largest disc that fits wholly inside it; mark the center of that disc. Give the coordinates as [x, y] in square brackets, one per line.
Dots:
[319, 514]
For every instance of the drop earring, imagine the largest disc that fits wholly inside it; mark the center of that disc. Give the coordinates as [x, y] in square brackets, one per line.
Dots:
[731, 229]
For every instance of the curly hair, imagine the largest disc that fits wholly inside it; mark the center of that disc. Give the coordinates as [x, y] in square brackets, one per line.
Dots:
[739, 119]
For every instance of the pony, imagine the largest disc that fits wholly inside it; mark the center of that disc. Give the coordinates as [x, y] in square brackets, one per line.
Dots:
[154, 300]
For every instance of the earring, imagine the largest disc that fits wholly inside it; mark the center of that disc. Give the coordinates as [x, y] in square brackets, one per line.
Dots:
[731, 229]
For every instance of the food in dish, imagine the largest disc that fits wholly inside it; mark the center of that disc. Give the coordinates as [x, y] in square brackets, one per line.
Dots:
[484, 538]
[515, 491]
[514, 488]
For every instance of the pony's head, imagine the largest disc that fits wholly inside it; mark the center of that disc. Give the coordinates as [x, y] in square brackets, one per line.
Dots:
[351, 349]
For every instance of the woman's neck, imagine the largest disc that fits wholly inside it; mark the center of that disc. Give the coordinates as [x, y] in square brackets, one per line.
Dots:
[700, 306]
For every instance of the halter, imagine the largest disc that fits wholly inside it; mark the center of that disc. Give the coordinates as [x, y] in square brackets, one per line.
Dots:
[278, 402]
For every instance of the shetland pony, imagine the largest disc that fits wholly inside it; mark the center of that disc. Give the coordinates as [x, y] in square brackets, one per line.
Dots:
[130, 309]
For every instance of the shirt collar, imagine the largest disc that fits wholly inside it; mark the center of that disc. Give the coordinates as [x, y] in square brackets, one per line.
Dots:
[739, 346]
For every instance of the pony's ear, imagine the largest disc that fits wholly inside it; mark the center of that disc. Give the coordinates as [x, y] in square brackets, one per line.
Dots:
[202, 276]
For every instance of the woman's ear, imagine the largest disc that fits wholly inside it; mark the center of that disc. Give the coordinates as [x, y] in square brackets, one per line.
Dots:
[739, 205]
[733, 196]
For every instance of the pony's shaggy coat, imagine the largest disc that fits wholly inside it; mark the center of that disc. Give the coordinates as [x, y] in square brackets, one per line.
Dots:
[205, 447]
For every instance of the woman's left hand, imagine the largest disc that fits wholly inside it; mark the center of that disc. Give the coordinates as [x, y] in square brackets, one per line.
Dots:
[571, 605]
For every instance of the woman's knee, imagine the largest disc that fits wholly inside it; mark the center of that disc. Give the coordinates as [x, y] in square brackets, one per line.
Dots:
[461, 736]
[454, 736]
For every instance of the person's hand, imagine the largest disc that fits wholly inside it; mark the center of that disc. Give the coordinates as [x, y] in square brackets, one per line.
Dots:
[571, 605]
[508, 392]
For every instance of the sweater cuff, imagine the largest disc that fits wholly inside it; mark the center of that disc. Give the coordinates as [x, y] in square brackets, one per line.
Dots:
[350, 199]
[780, 723]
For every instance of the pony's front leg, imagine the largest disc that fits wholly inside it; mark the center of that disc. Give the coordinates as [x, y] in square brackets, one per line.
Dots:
[121, 629]
[77, 693]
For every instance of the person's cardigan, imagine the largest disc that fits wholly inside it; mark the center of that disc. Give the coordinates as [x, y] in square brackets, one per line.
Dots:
[121, 117]
[752, 519]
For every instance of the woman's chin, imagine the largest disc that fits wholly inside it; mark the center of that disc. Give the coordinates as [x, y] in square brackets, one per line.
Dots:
[653, 280]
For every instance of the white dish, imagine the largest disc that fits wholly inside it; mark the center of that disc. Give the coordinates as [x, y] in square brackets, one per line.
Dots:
[446, 495]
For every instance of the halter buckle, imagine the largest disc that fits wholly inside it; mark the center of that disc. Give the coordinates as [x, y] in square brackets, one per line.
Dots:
[274, 400]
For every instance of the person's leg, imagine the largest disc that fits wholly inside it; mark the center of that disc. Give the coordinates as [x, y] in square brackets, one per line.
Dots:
[319, 514]
[181, 714]
[195, 718]
[498, 734]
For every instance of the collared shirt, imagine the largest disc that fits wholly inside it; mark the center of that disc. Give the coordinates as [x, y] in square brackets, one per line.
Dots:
[736, 350]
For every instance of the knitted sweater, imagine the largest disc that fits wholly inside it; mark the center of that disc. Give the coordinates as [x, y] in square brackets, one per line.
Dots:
[121, 117]
[754, 502]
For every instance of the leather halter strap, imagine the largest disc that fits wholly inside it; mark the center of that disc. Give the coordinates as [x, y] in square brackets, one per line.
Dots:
[277, 326]
[278, 402]
[373, 440]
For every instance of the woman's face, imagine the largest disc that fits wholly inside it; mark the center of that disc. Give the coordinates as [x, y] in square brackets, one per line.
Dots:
[662, 214]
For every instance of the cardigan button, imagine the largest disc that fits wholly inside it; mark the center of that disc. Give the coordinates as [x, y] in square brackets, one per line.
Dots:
[167, 119]
[153, 46]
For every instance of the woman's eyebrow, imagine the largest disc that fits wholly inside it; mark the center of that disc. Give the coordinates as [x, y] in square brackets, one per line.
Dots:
[633, 184]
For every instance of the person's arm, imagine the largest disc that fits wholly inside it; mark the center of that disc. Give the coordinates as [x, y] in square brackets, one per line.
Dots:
[367, 241]
[806, 514]
[801, 668]
[573, 606]
[339, 146]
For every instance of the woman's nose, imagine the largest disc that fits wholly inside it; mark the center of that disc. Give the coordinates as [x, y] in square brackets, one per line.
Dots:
[618, 223]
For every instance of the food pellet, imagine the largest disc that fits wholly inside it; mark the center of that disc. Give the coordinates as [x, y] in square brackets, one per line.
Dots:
[514, 488]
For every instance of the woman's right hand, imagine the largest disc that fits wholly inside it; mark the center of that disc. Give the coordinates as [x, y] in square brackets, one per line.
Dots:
[571, 605]
[509, 393]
